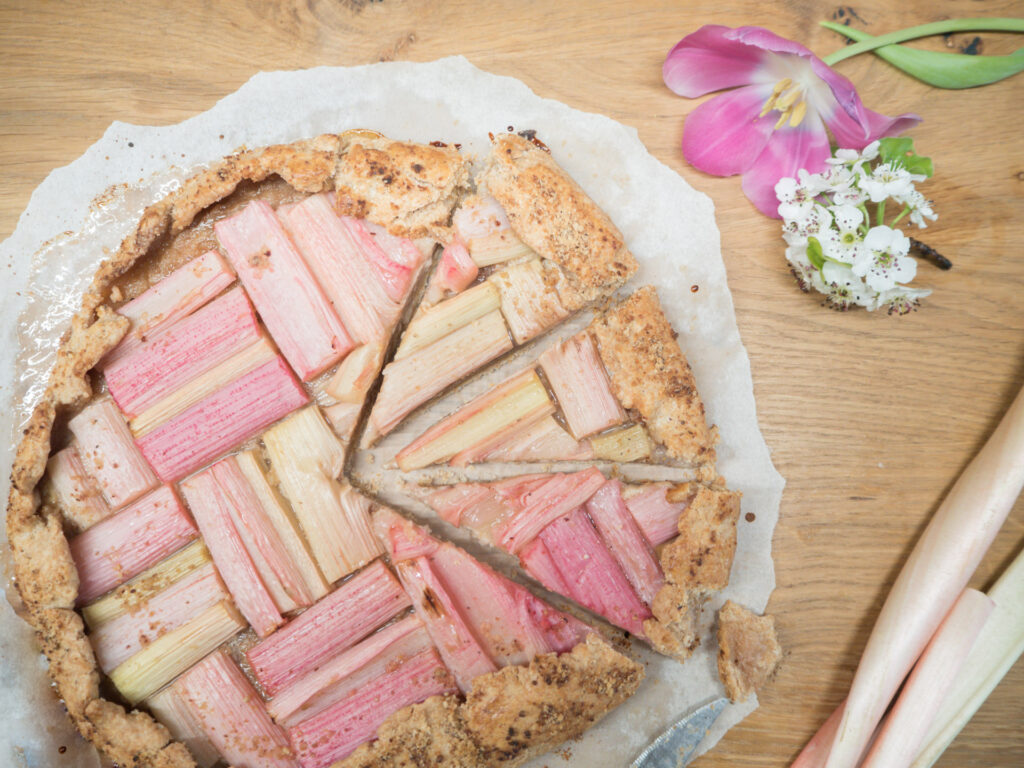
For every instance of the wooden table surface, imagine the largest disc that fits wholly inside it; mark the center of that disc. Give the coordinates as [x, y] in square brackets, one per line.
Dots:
[869, 417]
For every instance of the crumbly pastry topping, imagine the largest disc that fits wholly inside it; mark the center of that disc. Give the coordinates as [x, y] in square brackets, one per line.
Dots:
[749, 653]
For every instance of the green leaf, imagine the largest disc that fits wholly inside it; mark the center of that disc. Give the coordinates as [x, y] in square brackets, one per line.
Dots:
[922, 165]
[899, 152]
[814, 253]
[943, 70]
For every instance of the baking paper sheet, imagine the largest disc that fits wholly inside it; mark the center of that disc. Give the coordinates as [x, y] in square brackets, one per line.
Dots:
[668, 225]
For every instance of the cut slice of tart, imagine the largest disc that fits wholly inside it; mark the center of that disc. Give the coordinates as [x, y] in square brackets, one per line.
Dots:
[527, 251]
[646, 557]
[620, 390]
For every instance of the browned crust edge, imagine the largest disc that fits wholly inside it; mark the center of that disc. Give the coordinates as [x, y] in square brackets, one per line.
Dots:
[650, 373]
[554, 216]
[44, 571]
[749, 653]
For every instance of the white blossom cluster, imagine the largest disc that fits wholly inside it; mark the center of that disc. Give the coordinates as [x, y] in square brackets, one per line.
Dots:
[831, 245]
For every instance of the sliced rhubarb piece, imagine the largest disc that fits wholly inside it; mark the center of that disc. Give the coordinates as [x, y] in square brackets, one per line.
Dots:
[657, 517]
[413, 380]
[483, 224]
[557, 496]
[529, 305]
[337, 731]
[346, 615]
[594, 579]
[211, 506]
[173, 711]
[232, 714]
[356, 374]
[624, 539]
[396, 259]
[81, 501]
[537, 561]
[116, 641]
[349, 670]
[402, 539]
[462, 503]
[109, 455]
[343, 418]
[580, 383]
[174, 297]
[338, 261]
[433, 323]
[625, 444]
[122, 546]
[185, 351]
[472, 429]
[307, 457]
[456, 271]
[169, 655]
[223, 420]
[295, 310]
[542, 440]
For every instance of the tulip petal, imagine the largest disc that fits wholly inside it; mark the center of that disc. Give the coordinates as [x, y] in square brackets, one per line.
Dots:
[724, 136]
[789, 150]
[710, 60]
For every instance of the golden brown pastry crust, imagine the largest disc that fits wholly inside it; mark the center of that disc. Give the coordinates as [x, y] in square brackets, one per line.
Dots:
[557, 219]
[649, 373]
[44, 571]
[748, 650]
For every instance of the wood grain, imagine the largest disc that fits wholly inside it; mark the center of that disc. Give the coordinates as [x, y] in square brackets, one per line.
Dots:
[870, 418]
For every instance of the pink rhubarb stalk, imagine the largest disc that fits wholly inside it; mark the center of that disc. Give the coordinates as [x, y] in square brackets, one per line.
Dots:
[483, 225]
[594, 578]
[457, 270]
[124, 545]
[295, 310]
[81, 501]
[396, 259]
[815, 752]
[185, 351]
[173, 711]
[337, 731]
[580, 383]
[174, 297]
[933, 577]
[223, 420]
[529, 304]
[625, 541]
[461, 505]
[211, 508]
[537, 561]
[657, 517]
[109, 455]
[346, 615]
[541, 440]
[231, 712]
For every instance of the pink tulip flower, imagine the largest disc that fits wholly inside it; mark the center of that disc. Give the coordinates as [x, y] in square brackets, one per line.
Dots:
[775, 123]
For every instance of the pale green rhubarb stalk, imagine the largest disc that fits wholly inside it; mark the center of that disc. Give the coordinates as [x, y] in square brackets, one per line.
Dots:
[580, 383]
[109, 454]
[529, 305]
[432, 323]
[934, 575]
[307, 459]
[629, 443]
[79, 497]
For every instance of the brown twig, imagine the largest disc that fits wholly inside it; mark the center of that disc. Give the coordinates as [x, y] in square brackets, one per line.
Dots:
[930, 253]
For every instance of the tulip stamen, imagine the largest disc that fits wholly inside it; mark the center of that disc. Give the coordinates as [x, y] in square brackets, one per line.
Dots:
[787, 98]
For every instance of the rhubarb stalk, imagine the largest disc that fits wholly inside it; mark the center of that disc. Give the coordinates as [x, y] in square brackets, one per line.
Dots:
[80, 499]
[529, 305]
[580, 383]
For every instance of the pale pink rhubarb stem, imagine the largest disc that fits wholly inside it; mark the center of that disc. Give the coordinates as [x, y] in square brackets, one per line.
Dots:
[349, 613]
[173, 711]
[815, 753]
[295, 310]
[402, 539]
[223, 420]
[657, 517]
[80, 499]
[122, 546]
[455, 502]
[456, 270]
[396, 259]
[559, 495]
[232, 714]
[580, 383]
[542, 440]
[530, 306]
[905, 726]
[934, 575]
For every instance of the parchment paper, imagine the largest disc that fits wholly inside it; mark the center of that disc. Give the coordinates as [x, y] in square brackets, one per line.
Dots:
[668, 225]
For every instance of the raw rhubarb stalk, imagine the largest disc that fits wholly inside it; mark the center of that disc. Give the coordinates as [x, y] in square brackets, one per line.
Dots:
[223, 420]
[580, 383]
[595, 580]
[456, 270]
[462, 652]
[184, 352]
[557, 496]
[483, 224]
[346, 615]
[433, 323]
[210, 505]
[521, 398]
[80, 499]
[815, 753]
[907, 723]
[295, 310]
[170, 709]
[136, 591]
[174, 297]
[337, 678]
[232, 714]
[356, 374]
[396, 259]
[307, 458]
[337, 731]
[934, 575]
[116, 641]
[109, 455]
[657, 517]
[351, 282]
[626, 444]
[411, 381]
[542, 440]
[625, 541]
[530, 307]
[124, 545]
[169, 655]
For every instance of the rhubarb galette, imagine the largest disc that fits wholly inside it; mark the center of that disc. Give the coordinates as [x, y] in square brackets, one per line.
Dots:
[207, 582]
